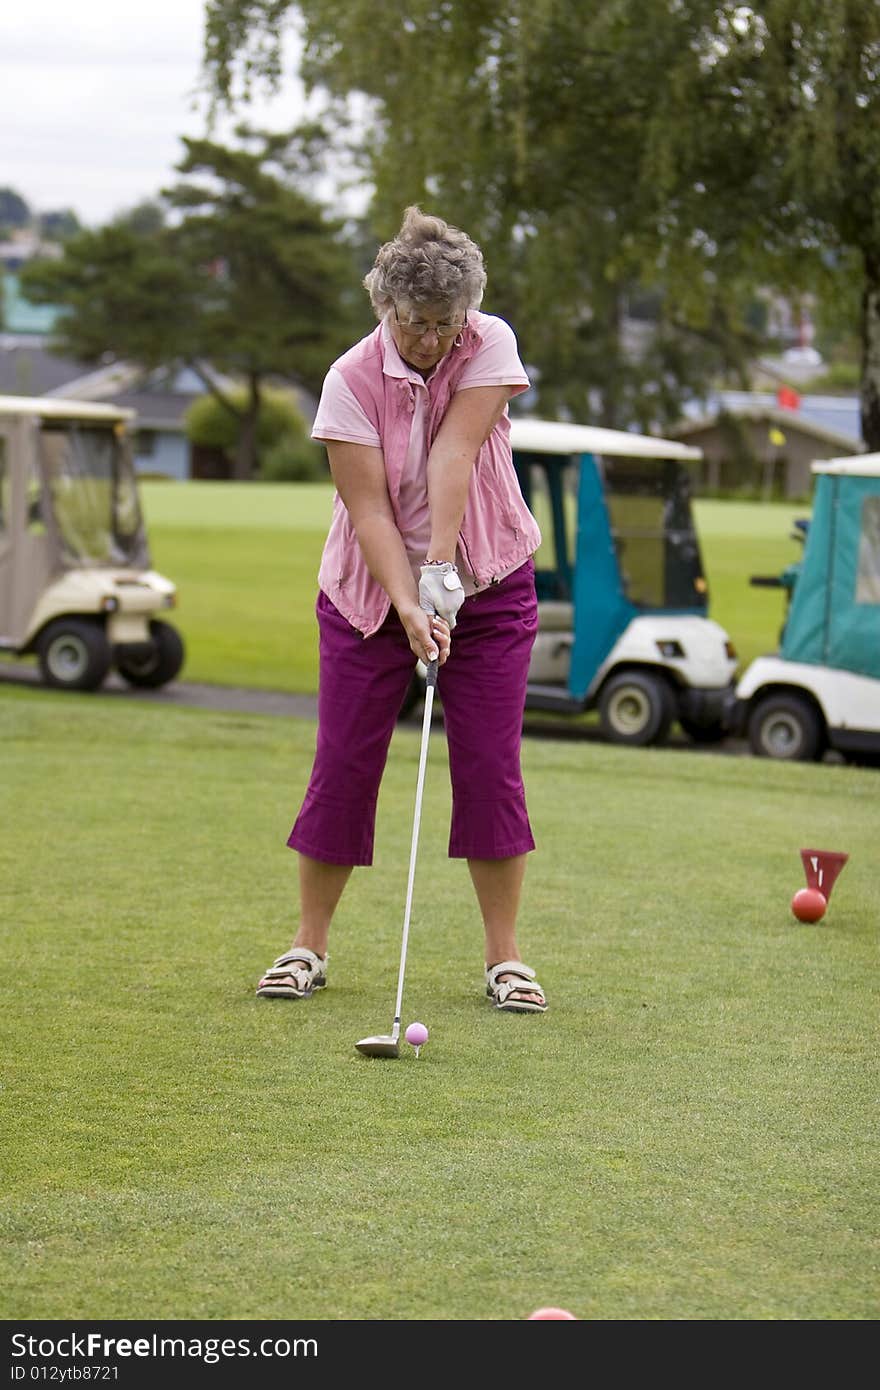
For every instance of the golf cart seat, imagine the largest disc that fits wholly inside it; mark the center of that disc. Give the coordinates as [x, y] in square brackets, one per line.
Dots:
[551, 654]
[555, 615]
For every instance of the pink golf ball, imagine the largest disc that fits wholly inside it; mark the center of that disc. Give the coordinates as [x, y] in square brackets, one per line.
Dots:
[416, 1034]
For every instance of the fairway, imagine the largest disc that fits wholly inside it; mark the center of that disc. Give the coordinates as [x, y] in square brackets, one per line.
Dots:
[245, 559]
[688, 1133]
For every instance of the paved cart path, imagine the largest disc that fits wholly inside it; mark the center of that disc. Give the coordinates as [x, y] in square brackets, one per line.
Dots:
[244, 700]
[231, 699]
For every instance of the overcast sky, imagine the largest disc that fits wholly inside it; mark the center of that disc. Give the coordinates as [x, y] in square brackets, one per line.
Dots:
[95, 95]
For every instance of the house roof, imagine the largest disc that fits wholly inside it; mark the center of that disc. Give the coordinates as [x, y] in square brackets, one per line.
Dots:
[157, 410]
[791, 420]
[161, 398]
[839, 416]
[99, 383]
[27, 366]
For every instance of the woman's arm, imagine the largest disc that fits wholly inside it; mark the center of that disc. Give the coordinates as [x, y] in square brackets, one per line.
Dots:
[471, 417]
[359, 474]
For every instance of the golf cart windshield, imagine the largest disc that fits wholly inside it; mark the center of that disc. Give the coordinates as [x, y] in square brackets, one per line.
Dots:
[90, 486]
[653, 530]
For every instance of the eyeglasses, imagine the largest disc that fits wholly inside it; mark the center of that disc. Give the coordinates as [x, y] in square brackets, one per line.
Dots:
[416, 328]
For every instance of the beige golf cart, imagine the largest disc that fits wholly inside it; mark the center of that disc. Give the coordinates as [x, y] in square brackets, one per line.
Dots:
[76, 588]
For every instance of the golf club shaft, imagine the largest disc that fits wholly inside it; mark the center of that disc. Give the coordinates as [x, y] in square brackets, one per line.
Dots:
[430, 684]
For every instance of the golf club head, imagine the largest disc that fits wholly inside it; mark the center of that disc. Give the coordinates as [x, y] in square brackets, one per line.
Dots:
[383, 1045]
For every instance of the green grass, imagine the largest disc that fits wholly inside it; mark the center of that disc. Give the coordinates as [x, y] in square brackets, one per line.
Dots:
[245, 559]
[739, 539]
[688, 1133]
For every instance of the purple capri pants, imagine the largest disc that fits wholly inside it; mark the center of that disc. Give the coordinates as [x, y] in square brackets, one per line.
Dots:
[482, 687]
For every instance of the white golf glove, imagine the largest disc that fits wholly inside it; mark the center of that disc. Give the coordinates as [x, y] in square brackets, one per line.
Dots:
[441, 591]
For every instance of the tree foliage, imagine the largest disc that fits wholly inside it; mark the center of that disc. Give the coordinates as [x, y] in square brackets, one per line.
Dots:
[58, 224]
[696, 147]
[246, 278]
[208, 423]
[146, 217]
[14, 211]
[124, 296]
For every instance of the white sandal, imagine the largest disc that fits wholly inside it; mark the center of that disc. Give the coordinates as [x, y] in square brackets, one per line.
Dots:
[307, 970]
[524, 982]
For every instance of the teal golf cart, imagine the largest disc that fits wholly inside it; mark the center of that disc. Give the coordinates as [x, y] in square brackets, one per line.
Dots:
[623, 623]
[821, 689]
[622, 597]
[76, 586]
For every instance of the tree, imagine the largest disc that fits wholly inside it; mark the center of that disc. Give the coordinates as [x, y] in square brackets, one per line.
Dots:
[14, 211]
[145, 217]
[791, 89]
[247, 279]
[282, 432]
[125, 295]
[699, 147]
[59, 224]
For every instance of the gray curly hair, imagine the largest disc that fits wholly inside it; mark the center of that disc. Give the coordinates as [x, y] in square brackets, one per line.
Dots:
[428, 262]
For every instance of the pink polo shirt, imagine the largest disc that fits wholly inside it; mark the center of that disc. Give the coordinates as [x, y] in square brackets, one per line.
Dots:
[341, 416]
[372, 397]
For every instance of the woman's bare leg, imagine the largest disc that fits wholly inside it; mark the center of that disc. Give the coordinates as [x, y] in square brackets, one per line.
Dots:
[498, 886]
[320, 888]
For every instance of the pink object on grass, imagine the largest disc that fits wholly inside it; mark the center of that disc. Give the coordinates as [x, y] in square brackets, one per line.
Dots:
[545, 1314]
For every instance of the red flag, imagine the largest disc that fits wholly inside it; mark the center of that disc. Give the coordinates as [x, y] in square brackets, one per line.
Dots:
[787, 398]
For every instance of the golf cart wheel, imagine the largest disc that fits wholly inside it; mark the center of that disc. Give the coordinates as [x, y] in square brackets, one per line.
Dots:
[786, 726]
[73, 654]
[703, 733]
[636, 708]
[160, 665]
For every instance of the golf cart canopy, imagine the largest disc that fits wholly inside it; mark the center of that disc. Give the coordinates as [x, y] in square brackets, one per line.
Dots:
[555, 437]
[834, 616]
[856, 466]
[53, 408]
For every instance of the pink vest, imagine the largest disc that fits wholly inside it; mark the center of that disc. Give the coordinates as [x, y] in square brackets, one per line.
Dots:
[498, 532]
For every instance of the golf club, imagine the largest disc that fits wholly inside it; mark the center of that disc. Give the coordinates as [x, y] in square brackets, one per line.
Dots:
[388, 1044]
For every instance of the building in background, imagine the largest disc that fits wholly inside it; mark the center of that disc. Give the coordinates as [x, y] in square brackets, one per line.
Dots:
[764, 442]
[161, 397]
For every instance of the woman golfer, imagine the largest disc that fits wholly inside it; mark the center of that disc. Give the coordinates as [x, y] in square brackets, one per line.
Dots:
[429, 555]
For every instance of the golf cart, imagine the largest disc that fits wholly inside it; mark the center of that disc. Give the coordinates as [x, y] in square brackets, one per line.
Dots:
[822, 688]
[622, 599]
[76, 588]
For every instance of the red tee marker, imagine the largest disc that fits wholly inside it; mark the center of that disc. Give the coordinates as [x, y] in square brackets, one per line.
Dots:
[822, 868]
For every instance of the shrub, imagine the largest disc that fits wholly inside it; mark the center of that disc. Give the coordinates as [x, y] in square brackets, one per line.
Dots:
[211, 425]
[294, 459]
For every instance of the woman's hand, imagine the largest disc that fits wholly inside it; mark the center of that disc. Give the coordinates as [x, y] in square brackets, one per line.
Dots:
[429, 635]
[441, 590]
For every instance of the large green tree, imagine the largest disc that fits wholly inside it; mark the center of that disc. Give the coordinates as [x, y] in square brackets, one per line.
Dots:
[693, 147]
[791, 139]
[247, 279]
